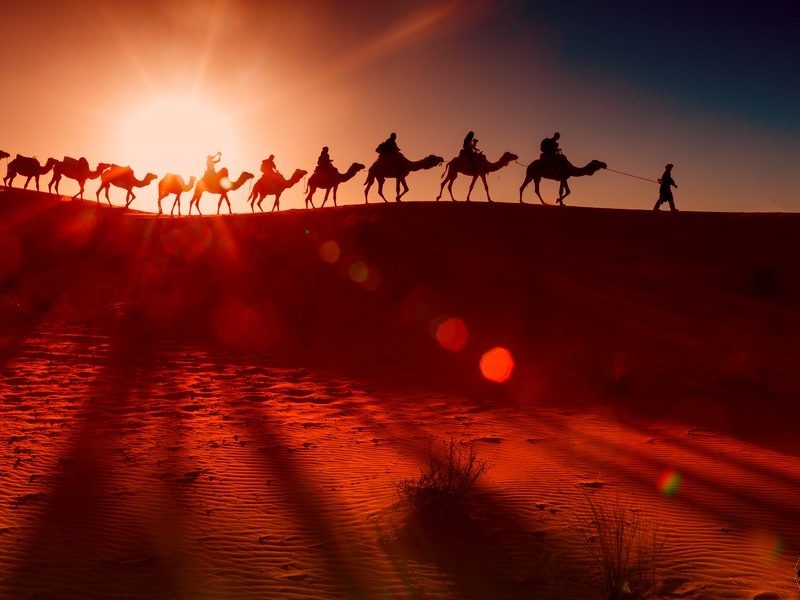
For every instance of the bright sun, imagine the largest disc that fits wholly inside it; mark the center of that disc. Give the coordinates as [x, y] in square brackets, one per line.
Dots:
[174, 135]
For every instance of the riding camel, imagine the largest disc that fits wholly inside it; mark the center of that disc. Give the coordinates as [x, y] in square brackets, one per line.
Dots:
[329, 179]
[122, 177]
[27, 167]
[475, 167]
[173, 184]
[77, 169]
[221, 185]
[273, 184]
[397, 167]
[558, 169]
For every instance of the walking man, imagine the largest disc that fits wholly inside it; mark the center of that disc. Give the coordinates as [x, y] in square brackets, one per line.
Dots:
[665, 191]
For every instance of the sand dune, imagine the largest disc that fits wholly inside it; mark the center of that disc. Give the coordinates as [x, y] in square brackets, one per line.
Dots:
[223, 407]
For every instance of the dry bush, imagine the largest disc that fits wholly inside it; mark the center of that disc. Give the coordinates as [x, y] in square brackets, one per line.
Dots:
[625, 549]
[441, 490]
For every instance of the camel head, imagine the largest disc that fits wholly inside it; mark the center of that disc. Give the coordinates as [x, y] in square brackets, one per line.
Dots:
[508, 157]
[354, 168]
[431, 161]
[189, 185]
[51, 162]
[103, 167]
[235, 185]
[296, 176]
[4, 155]
[148, 178]
[595, 166]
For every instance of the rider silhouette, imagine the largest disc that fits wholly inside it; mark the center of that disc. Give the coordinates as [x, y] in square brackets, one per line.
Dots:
[389, 146]
[268, 165]
[549, 146]
[469, 149]
[324, 162]
[211, 161]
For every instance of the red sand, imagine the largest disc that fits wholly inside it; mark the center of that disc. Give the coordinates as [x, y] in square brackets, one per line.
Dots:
[222, 407]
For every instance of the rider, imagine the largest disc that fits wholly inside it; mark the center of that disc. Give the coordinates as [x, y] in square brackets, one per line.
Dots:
[211, 161]
[549, 146]
[268, 165]
[324, 162]
[470, 147]
[389, 146]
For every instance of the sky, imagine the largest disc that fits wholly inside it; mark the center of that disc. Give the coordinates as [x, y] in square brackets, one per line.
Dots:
[708, 86]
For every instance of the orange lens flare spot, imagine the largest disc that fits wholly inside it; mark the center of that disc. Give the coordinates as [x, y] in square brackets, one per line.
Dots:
[330, 252]
[225, 183]
[669, 482]
[452, 334]
[358, 272]
[497, 364]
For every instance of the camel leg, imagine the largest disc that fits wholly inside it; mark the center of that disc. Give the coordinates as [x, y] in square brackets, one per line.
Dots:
[525, 183]
[405, 189]
[81, 183]
[450, 183]
[177, 202]
[380, 189]
[227, 201]
[160, 198]
[471, 185]
[536, 182]
[107, 198]
[486, 187]
[50, 185]
[277, 204]
[27, 181]
[444, 182]
[335, 188]
[309, 195]
[366, 191]
[563, 192]
[325, 199]
[397, 190]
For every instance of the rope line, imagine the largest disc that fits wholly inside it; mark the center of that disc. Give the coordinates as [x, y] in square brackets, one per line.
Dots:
[630, 175]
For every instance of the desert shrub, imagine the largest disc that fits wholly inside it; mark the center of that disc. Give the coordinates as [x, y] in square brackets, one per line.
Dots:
[442, 488]
[624, 548]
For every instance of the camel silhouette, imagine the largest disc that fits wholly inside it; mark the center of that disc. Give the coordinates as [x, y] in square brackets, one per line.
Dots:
[273, 184]
[474, 167]
[396, 166]
[221, 185]
[173, 184]
[329, 179]
[77, 169]
[4, 155]
[122, 177]
[560, 170]
[27, 167]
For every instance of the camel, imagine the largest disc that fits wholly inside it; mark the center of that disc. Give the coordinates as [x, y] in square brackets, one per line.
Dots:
[173, 184]
[220, 185]
[27, 167]
[329, 180]
[122, 177]
[4, 155]
[273, 184]
[77, 169]
[396, 167]
[476, 167]
[560, 170]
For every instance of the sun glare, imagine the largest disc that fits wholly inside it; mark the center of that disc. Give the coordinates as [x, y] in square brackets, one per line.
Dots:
[174, 135]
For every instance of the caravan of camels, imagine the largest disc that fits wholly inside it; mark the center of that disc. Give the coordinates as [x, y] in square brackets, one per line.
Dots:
[390, 164]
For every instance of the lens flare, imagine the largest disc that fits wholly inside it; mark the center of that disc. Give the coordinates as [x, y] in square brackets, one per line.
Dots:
[497, 364]
[669, 482]
[451, 333]
[330, 252]
[358, 271]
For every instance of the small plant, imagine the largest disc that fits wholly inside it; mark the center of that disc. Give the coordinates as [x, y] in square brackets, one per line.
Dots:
[441, 490]
[625, 549]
